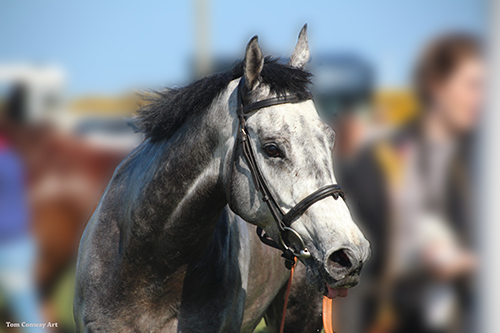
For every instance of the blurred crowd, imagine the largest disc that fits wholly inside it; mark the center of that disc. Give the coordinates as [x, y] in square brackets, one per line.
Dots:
[405, 159]
[52, 174]
[410, 187]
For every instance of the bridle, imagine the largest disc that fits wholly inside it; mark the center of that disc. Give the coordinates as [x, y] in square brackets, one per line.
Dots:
[290, 242]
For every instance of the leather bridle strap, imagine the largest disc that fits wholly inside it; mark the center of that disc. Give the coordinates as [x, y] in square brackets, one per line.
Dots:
[270, 102]
[300, 208]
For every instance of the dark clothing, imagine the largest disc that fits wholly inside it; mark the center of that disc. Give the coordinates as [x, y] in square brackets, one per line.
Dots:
[367, 198]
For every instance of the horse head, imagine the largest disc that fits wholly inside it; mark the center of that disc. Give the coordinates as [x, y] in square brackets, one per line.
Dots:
[291, 151]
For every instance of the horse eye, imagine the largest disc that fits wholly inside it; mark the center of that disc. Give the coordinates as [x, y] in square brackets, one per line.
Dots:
[272, 151]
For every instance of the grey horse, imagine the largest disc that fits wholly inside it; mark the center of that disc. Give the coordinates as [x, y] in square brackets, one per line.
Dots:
[156, 256]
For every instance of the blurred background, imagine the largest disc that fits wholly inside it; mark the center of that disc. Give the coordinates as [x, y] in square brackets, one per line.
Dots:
[402, 83]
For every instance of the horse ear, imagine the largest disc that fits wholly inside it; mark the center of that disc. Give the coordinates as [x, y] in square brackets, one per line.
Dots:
[254, 62]
[300, 55]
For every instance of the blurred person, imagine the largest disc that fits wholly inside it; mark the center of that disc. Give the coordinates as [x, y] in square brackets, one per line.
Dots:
[433, 207]
[344, 103]
[413, 192]
[351, 129]
[17, 246]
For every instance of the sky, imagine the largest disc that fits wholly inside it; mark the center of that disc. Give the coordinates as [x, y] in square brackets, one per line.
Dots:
[109, 47]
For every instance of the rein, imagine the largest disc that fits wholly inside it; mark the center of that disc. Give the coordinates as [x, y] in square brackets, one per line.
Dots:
[287, 293]
[291, 242]
[327, 307]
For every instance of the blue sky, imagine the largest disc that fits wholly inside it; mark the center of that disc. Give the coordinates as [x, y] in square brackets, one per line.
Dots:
[112, 46]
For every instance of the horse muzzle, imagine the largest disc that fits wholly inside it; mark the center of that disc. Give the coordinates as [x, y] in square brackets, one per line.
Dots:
[340, 270]
[346, 263]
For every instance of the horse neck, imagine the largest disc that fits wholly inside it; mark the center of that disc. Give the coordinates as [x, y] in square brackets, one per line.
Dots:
[177, 192]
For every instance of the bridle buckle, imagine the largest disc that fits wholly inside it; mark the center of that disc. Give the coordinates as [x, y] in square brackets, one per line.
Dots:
[289, 258]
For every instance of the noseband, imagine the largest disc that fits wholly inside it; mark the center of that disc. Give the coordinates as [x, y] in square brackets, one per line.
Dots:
[283, 220]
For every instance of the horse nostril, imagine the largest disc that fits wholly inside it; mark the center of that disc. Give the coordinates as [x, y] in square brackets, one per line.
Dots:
[341, 259]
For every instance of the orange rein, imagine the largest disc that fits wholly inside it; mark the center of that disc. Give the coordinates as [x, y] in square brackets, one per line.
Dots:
[327, 306]
[287, 293]
[327, 314]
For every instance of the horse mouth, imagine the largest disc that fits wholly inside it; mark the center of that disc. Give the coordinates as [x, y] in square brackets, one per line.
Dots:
[327, 285]
[340, 288]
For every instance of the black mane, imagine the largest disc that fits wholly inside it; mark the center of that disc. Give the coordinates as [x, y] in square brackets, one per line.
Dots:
[170, 108]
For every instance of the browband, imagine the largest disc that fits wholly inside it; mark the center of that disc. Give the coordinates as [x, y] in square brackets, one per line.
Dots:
[272, 101]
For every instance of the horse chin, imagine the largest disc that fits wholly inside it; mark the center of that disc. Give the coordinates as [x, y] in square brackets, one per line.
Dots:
[326, 284]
